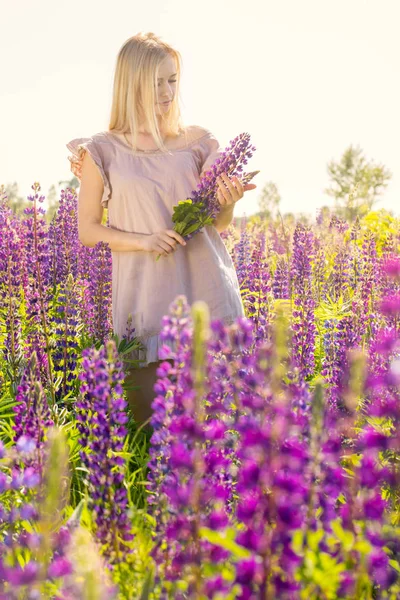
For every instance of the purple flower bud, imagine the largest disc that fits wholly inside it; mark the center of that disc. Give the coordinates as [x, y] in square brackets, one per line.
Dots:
[289, 514]
[249, 473]
[181, 456]
[215, 430]
[60, 567]
[347, 584]
[390, 305]
[374, 507]
[249, 571]
[370, 438]
[31, 478]
[25, 444]
[247, 506]
[4, 484]
[27, 511]
[384, 575]
[22, 576]
[217, 519]
[392, 267]
[216, 585]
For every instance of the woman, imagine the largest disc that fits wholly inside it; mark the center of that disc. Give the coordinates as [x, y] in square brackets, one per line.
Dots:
[139, 169]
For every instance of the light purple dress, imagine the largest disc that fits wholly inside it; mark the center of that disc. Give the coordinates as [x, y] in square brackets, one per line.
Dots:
[140, 191]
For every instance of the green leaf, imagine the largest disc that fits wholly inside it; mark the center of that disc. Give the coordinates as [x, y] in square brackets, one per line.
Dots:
[217, 538]
[363, 547]
[345, 537]
[194, 227]
[314, 538]
[395, 565]
[297, 541]
[77, 514]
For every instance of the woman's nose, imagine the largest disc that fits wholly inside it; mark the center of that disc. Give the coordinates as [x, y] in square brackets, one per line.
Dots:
[165, 90]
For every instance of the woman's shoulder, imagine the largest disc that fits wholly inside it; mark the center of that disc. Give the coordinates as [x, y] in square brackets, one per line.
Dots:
[196, 132]
[100, 137]
[193, 133]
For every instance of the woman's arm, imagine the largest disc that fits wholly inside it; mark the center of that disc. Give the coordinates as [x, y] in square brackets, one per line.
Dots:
[90, 214]
[224, 218]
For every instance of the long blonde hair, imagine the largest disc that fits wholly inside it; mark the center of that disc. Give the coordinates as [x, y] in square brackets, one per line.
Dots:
[134, 90]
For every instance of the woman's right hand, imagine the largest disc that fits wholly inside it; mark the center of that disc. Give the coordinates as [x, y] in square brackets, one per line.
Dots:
[163, 242]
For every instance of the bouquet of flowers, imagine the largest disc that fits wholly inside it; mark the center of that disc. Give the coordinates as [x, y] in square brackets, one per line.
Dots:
[191, 215]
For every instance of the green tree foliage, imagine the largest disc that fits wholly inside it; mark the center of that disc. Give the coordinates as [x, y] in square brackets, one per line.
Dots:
[356, 183]
[269, 200]
[16, 202]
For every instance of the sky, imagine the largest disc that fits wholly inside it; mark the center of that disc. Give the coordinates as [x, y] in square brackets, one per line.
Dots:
[306, 78]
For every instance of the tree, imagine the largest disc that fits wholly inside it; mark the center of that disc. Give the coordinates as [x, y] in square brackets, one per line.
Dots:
[16, 202]
[357, 184]
[269, 200]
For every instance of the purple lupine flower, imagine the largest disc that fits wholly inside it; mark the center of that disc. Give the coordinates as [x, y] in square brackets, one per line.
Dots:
[66, 323]
[21, 503]
[271, 459]
[63, 238]
[241, 258]
[338, 281]
[337, 223]
[193, 449]
[280, 285]
[231, 162]
[38, 291]
[338, 339]
[318, 270]
[32, 414]
[280, 239]
[391, 266]
[390, 305]
[11, 275]
[255, 298]
[303, 315]
[101, 422]
[367, 283]
[97, 298]
[201, 208]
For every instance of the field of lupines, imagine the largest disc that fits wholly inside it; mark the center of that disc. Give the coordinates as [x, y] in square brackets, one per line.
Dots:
[272, 470]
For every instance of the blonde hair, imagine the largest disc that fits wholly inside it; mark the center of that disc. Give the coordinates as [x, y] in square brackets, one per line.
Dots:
[134, 90]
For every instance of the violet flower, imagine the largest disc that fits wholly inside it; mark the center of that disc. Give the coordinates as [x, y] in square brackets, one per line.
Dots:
[303, 325]
[192, 214]
[101, 419]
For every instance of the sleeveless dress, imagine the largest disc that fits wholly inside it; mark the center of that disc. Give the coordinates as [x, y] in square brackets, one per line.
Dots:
[140, 191]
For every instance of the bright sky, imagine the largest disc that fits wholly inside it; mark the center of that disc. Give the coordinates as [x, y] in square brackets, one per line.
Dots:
[306, 78]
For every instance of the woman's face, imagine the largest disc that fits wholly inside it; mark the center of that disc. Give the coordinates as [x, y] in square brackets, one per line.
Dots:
[166, 87]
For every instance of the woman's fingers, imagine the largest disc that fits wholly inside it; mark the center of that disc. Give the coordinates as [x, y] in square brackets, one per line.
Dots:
[239, 185]
[229, 193]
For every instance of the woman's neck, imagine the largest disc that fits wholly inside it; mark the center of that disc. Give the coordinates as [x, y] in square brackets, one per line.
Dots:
[143, 130]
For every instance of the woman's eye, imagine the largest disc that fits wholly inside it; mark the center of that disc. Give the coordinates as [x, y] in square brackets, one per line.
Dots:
[174, 81]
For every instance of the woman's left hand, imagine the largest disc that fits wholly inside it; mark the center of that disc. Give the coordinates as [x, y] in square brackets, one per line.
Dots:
[231, 190]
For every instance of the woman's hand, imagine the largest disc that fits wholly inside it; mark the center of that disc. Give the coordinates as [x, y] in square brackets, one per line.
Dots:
[163, 242]
[231, 190]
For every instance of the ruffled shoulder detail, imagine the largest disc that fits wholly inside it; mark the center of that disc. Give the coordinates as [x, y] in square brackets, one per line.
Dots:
[207, 150]
[78, 147]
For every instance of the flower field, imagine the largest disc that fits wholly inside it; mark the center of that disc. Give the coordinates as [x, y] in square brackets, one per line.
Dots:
[272, 468]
